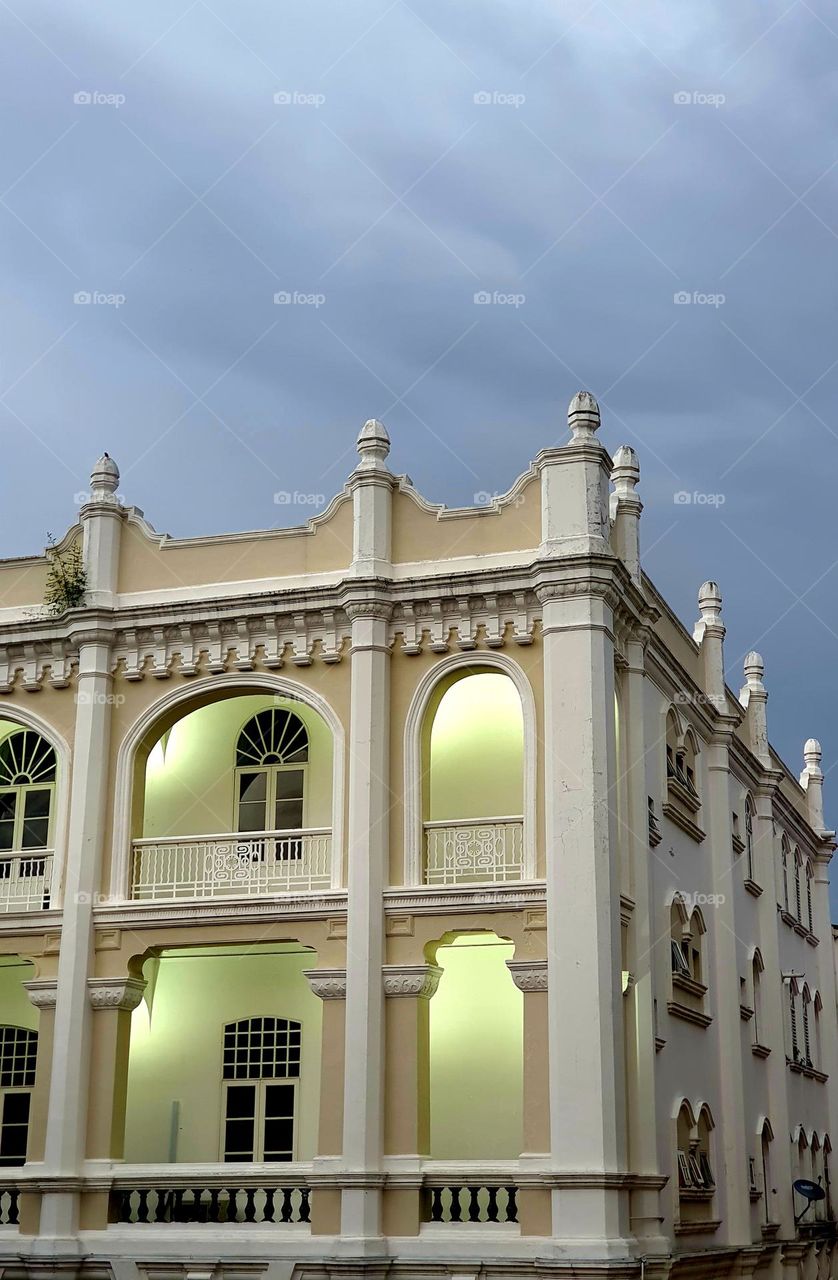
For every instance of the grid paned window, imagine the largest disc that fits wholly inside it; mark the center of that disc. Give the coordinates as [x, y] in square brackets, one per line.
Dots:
[18, 1056]
[261, 1065]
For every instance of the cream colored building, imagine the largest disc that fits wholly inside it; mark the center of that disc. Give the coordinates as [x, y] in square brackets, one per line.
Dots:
[403, 894]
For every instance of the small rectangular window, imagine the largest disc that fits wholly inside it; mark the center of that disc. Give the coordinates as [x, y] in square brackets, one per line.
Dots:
[240, 1123]
[14, 1129]
[679, 962]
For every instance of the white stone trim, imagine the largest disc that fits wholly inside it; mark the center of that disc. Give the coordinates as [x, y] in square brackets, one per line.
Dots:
[115, 993]
[413, 833]
[42, 992]
[61, 795]
[418, 980]
[327, 984]
[247, 682]
[528, 975]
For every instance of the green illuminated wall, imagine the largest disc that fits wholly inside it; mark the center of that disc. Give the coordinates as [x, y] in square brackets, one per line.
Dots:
[190, 775]
[176, 1052]
[16, 1009]
[476, 1053]
[477, 750]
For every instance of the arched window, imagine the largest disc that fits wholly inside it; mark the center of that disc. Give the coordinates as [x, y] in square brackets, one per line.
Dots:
[757, 968]
[817, 1049]
[807, 1049]
[27, 782]
[793, 1046]
[18, 1056]
[797, 864]
[679, 934]
[749, 838]
[809, 916]
[261, 1069]
[765, 1139]
[784, 853]
[271, 758]
[695, 1169]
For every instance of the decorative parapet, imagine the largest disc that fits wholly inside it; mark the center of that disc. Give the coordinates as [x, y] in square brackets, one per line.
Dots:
[42, 992]
[528, 975]
[115, 993]
[417, 980]
[327, 984]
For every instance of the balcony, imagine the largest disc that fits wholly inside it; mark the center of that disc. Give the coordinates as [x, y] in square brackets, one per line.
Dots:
[231, 865]
[25, 881]
[474, 851]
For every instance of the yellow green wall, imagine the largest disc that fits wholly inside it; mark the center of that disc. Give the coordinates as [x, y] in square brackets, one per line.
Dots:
[16, 1009]
[476, 1053]
[176, 1051]
[477, 750]
[190, 775]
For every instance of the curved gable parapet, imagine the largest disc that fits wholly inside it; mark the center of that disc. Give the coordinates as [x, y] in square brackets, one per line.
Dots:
[496, 524]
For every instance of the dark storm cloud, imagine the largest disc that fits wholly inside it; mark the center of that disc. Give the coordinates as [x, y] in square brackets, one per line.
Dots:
[385, 184]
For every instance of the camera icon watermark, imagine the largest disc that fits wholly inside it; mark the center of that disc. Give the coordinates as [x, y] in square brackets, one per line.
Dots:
[283, 298]
[96, 98]
[497, 299]
[683, 498]
[697, 98]
[485, 499]
[685, 299]
[497, 98]
[294, 98]
[94, 298]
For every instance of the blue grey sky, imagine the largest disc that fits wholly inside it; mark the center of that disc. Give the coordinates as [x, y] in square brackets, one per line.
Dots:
[380, 164]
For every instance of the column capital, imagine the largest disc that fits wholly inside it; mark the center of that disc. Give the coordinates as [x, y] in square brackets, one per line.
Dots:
[528, 975]
[42, 992]
[115, 993]
[327, 984]
[418, 980]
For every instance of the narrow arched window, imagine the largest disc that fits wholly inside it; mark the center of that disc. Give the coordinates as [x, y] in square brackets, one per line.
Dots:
[797, 911]
[271, 758]
[785, 861]
[795, 1050]
[18, 1056]
[27, 783]
[807, 1048]
[749, 838]
[261, 1069]
[809, 915]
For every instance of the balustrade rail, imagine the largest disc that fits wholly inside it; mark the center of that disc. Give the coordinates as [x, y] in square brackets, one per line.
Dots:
[474, 851]
[472, 1203]
[9, 1205]
[217, 1204]
[25, 881]
[258, 864]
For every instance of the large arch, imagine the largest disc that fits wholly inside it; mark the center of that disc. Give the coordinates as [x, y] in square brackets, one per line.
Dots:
[464, 663]
[200, 692]
[27, 719]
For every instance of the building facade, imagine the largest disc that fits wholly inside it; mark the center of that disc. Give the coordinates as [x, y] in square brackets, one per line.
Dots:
[404, 894]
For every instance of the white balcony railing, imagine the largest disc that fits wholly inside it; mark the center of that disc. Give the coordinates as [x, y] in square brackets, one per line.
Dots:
[25, 880]
[259, 864]
[474, 851]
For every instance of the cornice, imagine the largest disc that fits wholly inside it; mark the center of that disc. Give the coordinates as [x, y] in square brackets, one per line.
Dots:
[510, 896]
[129, 915]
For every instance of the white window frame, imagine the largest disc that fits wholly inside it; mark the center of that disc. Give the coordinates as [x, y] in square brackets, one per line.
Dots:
[270, 792]
[260, 1087]
[20, 791]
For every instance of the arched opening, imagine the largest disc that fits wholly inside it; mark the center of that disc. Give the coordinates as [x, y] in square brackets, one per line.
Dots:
[28, 776]
[785, 857]
[235, 798]
[807, 1035]
[472, 779]
[757, 969]
[766, 1137]
[476, 1053]
[224, 1057]
[810, 922]
[696, 1180]
[749, 838]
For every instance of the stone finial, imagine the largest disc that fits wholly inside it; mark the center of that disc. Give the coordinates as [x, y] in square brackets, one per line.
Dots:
[811, 779]
[373, 444]
[104, 478]
[710, 603]
[583, 416]
[626, 471]
[754, 670]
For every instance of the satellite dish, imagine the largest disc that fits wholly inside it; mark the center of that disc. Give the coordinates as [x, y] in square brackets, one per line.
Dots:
[810, 1191]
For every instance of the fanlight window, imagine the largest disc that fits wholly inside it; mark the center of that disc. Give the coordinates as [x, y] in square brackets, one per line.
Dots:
[271, 755]
[27, 779]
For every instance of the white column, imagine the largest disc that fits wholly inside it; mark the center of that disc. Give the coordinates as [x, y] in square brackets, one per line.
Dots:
[585, 1016]
[368, 852]
[102, 518]
[69, 1100]
[732, 1139]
